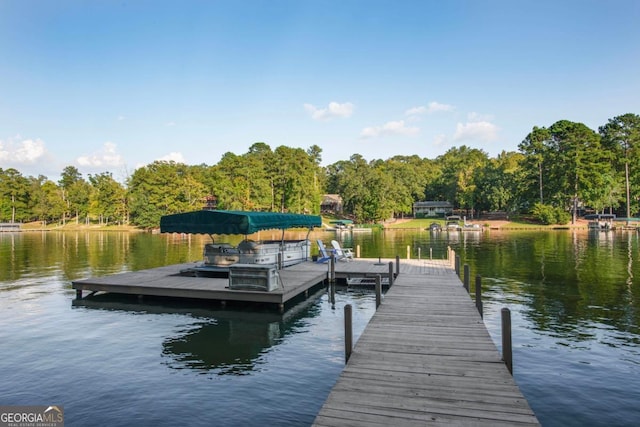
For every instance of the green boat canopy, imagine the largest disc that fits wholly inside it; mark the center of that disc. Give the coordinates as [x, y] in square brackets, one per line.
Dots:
[234, 222]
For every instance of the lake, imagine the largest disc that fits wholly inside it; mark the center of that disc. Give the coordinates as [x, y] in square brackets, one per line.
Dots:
[116, 360]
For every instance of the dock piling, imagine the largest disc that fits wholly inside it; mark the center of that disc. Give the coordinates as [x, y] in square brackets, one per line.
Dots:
[390, 273]
[507, 355]
[467, 278]
[397, 265]
[479, 295]
[378, 291]
[348, 332]
[457, 264]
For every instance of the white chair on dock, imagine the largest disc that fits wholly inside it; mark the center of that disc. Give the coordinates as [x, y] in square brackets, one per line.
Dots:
[343, 254]
[324, 255]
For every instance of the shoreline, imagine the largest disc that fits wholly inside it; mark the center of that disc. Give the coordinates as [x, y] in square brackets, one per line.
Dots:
[398, 224]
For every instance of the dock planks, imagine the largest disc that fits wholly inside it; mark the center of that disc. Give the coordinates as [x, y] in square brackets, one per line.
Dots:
[426, 358]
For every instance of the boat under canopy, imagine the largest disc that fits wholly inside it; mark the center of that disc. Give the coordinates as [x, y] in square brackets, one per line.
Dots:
[250, 265]
[234, 222]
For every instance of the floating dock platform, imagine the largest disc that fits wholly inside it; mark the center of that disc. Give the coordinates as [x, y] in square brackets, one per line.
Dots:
[294, 280]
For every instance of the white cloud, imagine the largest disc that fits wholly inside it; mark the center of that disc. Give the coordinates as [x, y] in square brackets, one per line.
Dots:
[477, 117]
[416, 111]
[390, 128]
[440, 139]
[174, 156]
[24, 152]
[334, 109]
[433, 107]
[107, 156]
[483, 131]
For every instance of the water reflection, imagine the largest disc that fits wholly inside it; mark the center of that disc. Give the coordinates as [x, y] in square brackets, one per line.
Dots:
[574, 286]
[229, 341]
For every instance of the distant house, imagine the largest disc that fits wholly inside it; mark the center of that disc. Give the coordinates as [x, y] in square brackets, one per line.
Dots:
[432, 209]
[331, 203]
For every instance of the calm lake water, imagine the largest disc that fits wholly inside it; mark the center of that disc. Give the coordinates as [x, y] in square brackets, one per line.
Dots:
[113, 360]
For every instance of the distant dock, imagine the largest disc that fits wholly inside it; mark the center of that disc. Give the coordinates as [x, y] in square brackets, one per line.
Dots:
[9, 227]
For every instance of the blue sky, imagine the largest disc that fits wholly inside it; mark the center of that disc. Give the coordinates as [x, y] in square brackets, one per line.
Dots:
[115, 85]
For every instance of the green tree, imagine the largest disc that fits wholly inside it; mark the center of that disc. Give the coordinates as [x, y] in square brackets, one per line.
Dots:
[577, 165]
[408, 177]
[163, 188]
[621, 136]
[456, 182]
[499, 183]
[46, 200]
[14, 196]
[535, 147]
[108, 201]
[69, 176]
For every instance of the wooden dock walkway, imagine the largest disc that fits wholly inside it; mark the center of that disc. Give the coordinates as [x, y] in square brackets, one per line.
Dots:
[426, 358]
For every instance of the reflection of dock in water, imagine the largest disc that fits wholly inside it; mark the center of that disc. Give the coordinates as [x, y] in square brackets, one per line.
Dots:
[227, 340]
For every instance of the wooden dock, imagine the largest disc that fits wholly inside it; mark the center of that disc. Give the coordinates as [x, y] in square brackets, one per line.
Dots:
[296, 280]
[426, 358]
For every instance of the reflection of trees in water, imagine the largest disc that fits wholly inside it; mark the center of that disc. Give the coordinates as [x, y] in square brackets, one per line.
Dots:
[572, 286]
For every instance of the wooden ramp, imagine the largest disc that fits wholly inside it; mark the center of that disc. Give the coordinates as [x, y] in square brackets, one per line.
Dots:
[425, 358]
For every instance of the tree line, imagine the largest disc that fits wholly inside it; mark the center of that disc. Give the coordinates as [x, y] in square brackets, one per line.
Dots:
[565, 167]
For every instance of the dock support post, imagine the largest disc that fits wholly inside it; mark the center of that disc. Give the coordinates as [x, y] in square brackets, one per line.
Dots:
[358, 251]
[281, 308]
[507, 355]
[390, 273]
[397, 265]
[78, 293]
[479, 295]
[467, 278]
[408, 252]
[419, 253]
[332, 269]
[332, 293]
[348, 333]
[378, 291]
[430, 253]
[458, 265]
[332, 282]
